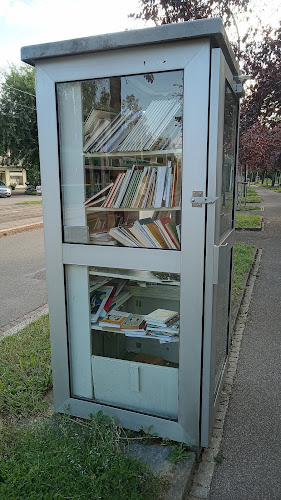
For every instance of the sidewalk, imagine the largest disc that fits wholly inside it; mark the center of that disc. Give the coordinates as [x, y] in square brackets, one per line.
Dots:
[251, 446]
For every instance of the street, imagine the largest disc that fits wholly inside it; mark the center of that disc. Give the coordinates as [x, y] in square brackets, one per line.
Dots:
[22, 274]
[13, 215]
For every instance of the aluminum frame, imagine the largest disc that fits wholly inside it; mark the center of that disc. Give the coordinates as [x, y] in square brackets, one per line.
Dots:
[220, 74]
[194, 58]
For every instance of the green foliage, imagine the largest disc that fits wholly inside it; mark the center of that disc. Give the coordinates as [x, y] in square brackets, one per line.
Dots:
[247, 220]
[249, 207]
[25, 368]
[243, 257]
[18, 125]
[30, 191]
[67, 458]
[180, 453]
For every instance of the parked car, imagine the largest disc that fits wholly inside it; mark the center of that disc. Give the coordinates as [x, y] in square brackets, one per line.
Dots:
[4, 190]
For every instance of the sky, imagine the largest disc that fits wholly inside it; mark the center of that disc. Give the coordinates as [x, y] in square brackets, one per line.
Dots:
[30, 22]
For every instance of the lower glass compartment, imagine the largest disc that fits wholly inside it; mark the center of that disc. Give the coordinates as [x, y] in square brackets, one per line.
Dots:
[124, 331]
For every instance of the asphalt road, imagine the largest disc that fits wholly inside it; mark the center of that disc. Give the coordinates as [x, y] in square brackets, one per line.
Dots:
[13, 214]
[22, 274]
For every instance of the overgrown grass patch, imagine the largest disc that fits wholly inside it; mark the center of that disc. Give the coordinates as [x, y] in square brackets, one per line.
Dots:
[25, 370]
[252, 196]
[248, 207]
[64, 458]
[247, 221]
[34, 202]
[243, 257]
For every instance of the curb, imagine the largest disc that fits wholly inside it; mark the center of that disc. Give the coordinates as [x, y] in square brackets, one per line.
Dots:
[18, 325]
[182, 479]
[20, 229]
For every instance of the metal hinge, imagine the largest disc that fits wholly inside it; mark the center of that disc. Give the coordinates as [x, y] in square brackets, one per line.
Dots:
[198, 199]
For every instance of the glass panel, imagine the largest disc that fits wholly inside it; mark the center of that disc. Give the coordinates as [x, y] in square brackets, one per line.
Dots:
[228, 165]
[135, 339]
[121, 160]
[222, 320]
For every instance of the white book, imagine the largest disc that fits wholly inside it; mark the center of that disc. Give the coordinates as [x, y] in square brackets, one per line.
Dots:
[140, 227]
[168, 185]
[117, 191]
[143, 238]
[119, 236]
[159, 189]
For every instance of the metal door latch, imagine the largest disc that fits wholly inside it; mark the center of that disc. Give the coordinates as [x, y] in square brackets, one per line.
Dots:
[198, 199]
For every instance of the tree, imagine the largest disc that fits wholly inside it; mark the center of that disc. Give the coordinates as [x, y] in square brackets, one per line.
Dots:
[174, 11]
[260, 150]
[18, 124]
[263, 61]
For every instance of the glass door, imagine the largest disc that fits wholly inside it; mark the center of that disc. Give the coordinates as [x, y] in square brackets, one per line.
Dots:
[223, 126]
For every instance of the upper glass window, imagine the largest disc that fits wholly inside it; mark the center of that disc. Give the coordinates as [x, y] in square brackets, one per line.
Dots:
[121, 160]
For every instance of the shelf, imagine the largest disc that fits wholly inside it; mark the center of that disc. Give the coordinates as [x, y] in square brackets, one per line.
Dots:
[138, 209]
[140, 276]
[96, 326]
[130, 154]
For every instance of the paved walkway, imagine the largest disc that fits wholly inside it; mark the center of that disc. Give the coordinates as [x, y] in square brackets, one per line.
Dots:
[251, 446]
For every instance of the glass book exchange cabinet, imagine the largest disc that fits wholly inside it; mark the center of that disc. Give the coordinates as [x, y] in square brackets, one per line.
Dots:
[138, 142]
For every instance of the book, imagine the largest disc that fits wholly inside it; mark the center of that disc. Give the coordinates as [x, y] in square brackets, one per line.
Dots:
[98, 301]
[90, 200]
[97, 281]
[114, 319]
[159, 187]
[170, 228]
[117, 234]
[160, 317]
[134, 322]
[113, 189]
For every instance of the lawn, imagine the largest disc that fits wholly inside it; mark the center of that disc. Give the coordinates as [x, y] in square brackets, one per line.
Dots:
[64, 457]
[252, 196]
[243, 257]
[248, 207]
[34, 202]
[243, 221]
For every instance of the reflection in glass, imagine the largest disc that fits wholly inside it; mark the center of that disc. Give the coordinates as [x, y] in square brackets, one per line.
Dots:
[222, 320]
[131, 145]
[135, 325]
[228, 166]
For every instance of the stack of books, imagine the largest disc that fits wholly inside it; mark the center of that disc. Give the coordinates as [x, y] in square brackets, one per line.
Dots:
[148, 233]
[141, 187]
[161, 324]
[105, 296]
[132, 325]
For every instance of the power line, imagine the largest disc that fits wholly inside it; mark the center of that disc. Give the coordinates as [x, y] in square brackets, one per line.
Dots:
[18, 90]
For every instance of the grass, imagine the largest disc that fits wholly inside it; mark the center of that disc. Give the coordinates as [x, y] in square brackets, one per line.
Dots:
[25, 370]
[66, 458]
[252, 196]
[248, 207]
[247, 221]
[63, 457]
[243, 257]
[34, 202]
